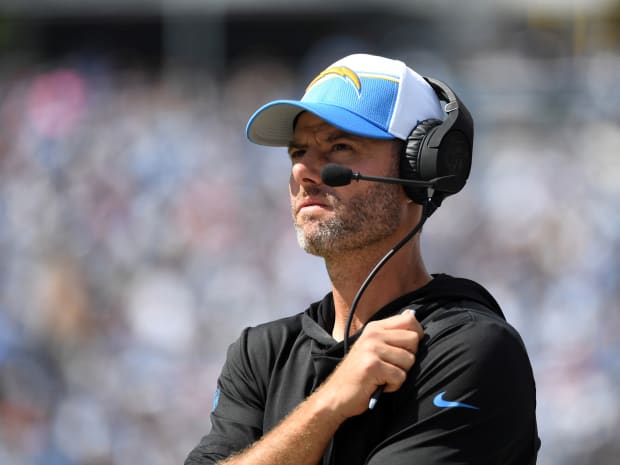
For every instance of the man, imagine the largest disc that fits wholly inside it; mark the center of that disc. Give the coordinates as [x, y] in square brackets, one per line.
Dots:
[449, 379]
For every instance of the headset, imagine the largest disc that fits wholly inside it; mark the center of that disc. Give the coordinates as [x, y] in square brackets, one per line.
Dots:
[438, 148]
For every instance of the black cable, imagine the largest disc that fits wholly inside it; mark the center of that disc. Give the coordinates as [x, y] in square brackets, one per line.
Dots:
[428, 209]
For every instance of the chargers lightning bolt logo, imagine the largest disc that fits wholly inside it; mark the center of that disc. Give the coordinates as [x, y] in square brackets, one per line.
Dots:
[344, 73]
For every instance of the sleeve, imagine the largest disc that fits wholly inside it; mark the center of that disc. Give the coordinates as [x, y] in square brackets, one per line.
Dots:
[237, 415]
[471, 401]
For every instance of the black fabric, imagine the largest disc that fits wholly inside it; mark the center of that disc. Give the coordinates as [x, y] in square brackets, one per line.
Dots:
[469, 353]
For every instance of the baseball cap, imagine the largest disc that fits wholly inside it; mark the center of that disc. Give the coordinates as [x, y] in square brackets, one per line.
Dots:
[365, 95]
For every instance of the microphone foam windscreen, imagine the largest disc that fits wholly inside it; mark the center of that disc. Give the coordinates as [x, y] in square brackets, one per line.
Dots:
[336, 175]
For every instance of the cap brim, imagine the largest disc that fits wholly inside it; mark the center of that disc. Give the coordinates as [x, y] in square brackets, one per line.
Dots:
[272, 124]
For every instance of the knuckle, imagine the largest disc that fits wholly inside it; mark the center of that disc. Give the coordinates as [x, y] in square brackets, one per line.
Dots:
[415, 341]
[372, 329]
[407, 361]
[373, 364]
[371, 346]
[399, 378]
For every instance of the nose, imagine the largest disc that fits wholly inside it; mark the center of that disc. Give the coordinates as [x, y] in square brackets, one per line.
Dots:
[307, 170]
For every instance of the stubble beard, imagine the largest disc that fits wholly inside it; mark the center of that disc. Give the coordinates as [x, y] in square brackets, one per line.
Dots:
[366, 219]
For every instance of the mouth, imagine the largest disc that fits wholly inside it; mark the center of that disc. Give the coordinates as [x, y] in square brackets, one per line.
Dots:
[311, 203]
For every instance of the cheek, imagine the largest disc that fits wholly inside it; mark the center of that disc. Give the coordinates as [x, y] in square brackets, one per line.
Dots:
[293, 187]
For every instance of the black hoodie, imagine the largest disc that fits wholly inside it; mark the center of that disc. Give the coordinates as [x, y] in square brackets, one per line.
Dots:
[469, 399]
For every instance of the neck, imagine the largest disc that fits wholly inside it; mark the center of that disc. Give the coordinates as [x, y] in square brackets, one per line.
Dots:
[404, 272]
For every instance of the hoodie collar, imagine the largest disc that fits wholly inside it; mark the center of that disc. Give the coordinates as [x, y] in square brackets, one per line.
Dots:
[318, 319]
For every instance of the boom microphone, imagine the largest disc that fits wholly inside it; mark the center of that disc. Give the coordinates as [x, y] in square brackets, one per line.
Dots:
[336, 175]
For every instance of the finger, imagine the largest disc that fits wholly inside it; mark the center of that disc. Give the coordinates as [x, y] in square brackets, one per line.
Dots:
[401, 338]
[407, 337]
[372, 352]
[400, 320]
[405, 320]
[411, 318]
[396, 356]
[393, 377]
[412, 321]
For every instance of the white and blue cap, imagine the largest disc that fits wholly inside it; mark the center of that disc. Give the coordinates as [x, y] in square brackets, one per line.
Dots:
[361, 94]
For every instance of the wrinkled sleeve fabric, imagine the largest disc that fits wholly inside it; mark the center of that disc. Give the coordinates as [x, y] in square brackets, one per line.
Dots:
[237, 416]
[472, 400]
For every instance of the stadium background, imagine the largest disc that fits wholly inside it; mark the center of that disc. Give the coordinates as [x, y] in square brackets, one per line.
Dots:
[140, 232]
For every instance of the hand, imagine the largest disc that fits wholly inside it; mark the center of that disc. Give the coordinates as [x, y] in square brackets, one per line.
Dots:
[383, 355]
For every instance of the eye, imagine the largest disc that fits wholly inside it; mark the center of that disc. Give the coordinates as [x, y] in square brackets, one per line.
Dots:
[296, 154]
[340, 147]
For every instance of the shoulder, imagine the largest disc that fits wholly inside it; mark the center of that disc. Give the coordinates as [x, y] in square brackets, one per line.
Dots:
[477, 355]
[268, 337]
[278, 334]
[471, 327]
[250, 359]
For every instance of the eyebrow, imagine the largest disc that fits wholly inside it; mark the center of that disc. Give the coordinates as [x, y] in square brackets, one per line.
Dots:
[293, 145]
[336, 135]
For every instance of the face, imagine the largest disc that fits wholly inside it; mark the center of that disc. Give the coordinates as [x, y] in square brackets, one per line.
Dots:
[329, 220]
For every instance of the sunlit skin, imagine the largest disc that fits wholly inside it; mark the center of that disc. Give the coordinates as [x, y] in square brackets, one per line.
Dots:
[353, 226]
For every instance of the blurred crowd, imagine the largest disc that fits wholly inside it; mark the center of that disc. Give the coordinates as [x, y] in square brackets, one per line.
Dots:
[140, 232]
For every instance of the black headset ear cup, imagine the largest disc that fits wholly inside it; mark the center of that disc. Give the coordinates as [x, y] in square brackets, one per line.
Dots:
[410, 159]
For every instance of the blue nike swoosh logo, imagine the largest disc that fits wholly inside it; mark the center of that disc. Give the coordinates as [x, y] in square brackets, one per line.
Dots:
[439, 401]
